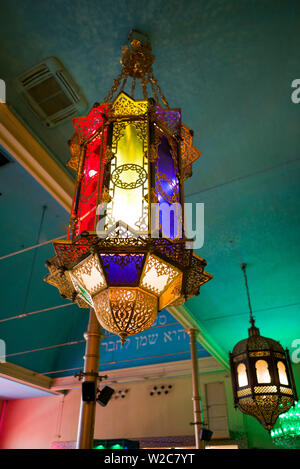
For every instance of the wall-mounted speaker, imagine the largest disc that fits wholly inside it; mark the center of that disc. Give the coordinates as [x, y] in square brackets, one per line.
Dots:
[205, 434]
[88, 391]
[105, 395]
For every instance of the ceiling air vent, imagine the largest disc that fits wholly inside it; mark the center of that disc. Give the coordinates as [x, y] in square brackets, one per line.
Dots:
[51, 92]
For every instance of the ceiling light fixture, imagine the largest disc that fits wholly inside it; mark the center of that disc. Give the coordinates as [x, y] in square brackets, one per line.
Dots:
[262, 377]
[128, 155]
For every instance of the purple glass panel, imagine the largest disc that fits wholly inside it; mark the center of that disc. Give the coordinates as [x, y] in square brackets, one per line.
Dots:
[122, 269]
[167, 185]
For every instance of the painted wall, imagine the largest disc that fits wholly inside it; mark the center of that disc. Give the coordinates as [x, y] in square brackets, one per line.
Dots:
[36, 423]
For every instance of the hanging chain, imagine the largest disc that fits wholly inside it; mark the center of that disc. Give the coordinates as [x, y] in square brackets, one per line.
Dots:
[114, 88]
[137, 60]
[243, 267]
[144, 83]
[133, 88]
[154, 91]
[154, 81]
[123, 84]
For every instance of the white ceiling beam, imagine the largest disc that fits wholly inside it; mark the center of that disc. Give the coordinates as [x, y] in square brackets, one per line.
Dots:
[16, 139]
[25, 376]
[185, 317]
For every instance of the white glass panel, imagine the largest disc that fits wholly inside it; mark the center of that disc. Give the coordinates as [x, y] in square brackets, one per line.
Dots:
[242, 375]
[89, 274]
[262, 372]
[282, 373]
[157, 275]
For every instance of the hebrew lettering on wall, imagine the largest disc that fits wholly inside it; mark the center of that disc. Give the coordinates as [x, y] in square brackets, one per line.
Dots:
[165, 341]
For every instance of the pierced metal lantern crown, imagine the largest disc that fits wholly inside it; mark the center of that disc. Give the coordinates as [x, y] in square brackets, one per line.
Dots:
[122, 257]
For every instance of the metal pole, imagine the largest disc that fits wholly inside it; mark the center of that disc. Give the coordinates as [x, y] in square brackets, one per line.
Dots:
[196, 396]
[87, 414]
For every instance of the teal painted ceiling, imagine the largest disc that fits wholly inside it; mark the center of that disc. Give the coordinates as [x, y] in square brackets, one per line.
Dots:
[229, 65]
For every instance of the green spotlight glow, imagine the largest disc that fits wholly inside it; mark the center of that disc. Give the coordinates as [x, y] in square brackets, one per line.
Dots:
[286, 433]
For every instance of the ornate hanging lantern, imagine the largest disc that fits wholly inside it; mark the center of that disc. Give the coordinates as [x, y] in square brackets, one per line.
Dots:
[262, 377]
[123, 256]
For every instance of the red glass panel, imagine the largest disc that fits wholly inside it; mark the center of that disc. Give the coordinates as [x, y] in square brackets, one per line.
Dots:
[85, 199]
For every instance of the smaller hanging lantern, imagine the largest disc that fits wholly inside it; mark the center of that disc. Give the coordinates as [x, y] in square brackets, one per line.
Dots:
[262, 377]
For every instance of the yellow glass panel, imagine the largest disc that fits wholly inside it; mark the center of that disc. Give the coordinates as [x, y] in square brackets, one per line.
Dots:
[242, 375]
[262, 372]
[282, 373]
[129, 180]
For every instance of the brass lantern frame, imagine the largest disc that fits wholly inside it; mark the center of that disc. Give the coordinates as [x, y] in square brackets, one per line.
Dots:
[97, 139]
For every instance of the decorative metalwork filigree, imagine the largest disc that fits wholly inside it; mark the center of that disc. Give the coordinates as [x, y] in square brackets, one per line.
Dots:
[126, 106]
[140, 180]
[125, 311]
[75, 149]
[265, 408]
[137, 59]
[88, 126]
[170, 118]
[159, 179]
[189, 153]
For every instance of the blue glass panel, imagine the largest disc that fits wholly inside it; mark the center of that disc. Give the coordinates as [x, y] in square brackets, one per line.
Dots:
[122, 269]
[167, 186]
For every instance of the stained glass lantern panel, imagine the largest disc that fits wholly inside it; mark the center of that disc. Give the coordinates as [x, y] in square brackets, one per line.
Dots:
[88, 275]
[122, 269]
[158, 275]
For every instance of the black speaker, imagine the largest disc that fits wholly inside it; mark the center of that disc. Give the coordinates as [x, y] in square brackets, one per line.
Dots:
[88, 391]
[205, 434]
[104, 396]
